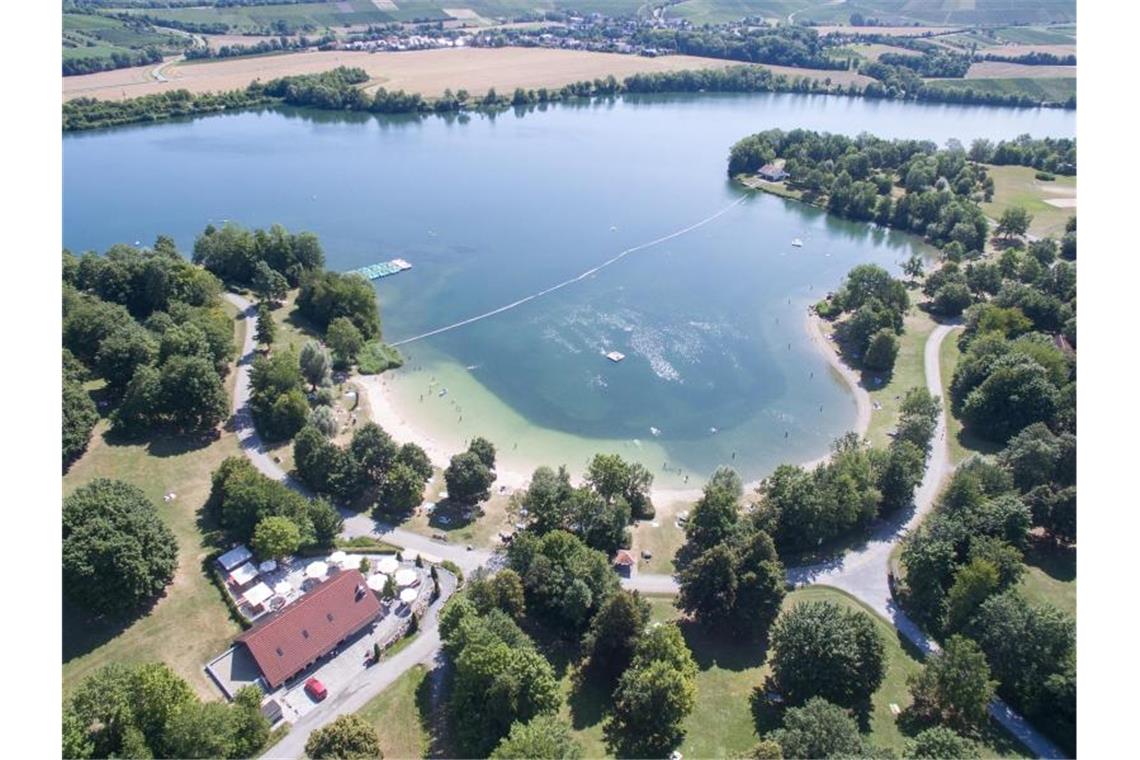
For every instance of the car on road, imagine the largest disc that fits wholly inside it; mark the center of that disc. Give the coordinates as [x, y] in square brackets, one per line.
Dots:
[315, 689]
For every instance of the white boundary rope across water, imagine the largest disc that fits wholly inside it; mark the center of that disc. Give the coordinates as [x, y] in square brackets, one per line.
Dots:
[578, 278]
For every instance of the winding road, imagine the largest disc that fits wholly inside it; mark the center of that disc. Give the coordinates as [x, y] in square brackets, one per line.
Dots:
[861, 571]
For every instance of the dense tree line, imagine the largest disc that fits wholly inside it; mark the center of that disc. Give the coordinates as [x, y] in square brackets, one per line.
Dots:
[252, 258]
[119, 59]
[782, 45]
[962, 566]
[855, 177]
[565, 581]
[1057, 155]
[348, 736]
[280, 44]
[118, 554]
[941, 64]
[1036, 58]
[79, 412]
[151, 325]
[149, 711]
[94, 113]
[326, 296]
[598, 512]
[371, 465]
[874, 304]
[243, 499]
[803, 509]
[730, 572]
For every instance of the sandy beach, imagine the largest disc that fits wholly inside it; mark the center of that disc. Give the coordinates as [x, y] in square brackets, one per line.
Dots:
[515, 474]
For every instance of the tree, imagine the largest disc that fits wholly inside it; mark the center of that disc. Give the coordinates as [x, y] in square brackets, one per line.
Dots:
[611, 476]
[349, 736]
[708, 585]
[374, 450]
[483, 449]
[417, 459]
[268, 283]
[1016, 393]
[345, 340]
[502, 591]
[276, 537]
[79, 418]
[323, 419]
[1014, 222]
[402, 490]
[1033, 457]
[714, 516]
[913, 267]
[820, 649]
[545, 737]
[939, 743]
[566, 582]
[266, 327]
[818, 729]
[954, 686]
[973, 584]
[881, 351]
[327, 522]
[765, 749]
[117, 551]
[201, 729]
[468, 479]
[315, 364]
[327, 295]
[123, 352]
[614, 632]
[653, 696]
[191, 396]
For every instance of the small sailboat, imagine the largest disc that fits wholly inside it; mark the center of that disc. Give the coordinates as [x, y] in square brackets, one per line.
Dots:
[797, 243]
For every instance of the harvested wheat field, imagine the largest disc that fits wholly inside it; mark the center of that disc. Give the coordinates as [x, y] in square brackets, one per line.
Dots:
[1002, 70]
[1012, 51]
[428, 72]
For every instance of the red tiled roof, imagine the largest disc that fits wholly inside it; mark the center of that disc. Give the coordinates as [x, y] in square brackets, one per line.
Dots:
[624, 558]
[311, 626]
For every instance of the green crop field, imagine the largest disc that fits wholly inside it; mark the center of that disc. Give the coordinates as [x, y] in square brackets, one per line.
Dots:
[89, 36]
[1051, 89]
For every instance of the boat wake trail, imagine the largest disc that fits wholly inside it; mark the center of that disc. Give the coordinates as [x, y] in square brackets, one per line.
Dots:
[577, 278]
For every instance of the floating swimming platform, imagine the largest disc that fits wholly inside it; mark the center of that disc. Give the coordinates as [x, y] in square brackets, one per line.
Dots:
[383, 269]
[615, 356]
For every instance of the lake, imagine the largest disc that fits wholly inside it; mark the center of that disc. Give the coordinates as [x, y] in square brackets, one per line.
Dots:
[490, 210]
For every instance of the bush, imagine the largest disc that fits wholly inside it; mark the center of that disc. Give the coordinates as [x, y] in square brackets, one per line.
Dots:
[377, 357]
[1045, 176]
[882, 350]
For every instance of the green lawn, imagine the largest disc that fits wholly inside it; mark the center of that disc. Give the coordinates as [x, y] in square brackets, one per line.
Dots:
[399, 716]
[909, 373]
[722, 723]
[1052, 575]
[1017, 186]
[190, 623]
[663, 541]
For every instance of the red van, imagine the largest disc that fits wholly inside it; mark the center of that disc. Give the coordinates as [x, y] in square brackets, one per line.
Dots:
[316, 689]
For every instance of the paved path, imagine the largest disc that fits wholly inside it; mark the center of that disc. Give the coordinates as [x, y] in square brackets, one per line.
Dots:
[861, 571]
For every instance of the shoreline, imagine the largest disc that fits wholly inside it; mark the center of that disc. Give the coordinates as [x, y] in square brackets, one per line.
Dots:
[385, 412]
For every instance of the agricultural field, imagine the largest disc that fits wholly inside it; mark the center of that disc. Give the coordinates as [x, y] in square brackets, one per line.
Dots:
[1050, 202]
[1004, 70]
[428, 72]
[943, 12]
[100, 37]
[1053, 90]
[723, 11]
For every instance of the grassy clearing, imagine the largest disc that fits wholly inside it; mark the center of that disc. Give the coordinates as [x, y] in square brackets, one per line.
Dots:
[909, 373]
[447, 518]
[662, 541]
[1048, 89]
[723, 723]
[1052, 575]
[1043, 35]
[91, 36]
[1017, 186]
[397, 716]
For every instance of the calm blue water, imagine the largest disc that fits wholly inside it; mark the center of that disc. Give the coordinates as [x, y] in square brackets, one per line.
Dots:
[489, 210]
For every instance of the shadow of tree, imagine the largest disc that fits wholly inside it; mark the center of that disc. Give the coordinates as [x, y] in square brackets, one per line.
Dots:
[431, 708]
[590, 699]
[725, 649]
[84, 632]
[1058, 561]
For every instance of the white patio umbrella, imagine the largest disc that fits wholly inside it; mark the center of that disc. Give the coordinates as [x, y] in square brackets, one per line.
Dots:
[387, 564]
[316, 569]
[408, 595]
[377, 582]
[268, 566]
[282, 587]
[405, 577]
[338, 557]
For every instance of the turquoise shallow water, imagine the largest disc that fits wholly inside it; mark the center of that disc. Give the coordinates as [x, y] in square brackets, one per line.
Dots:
[490, 210]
